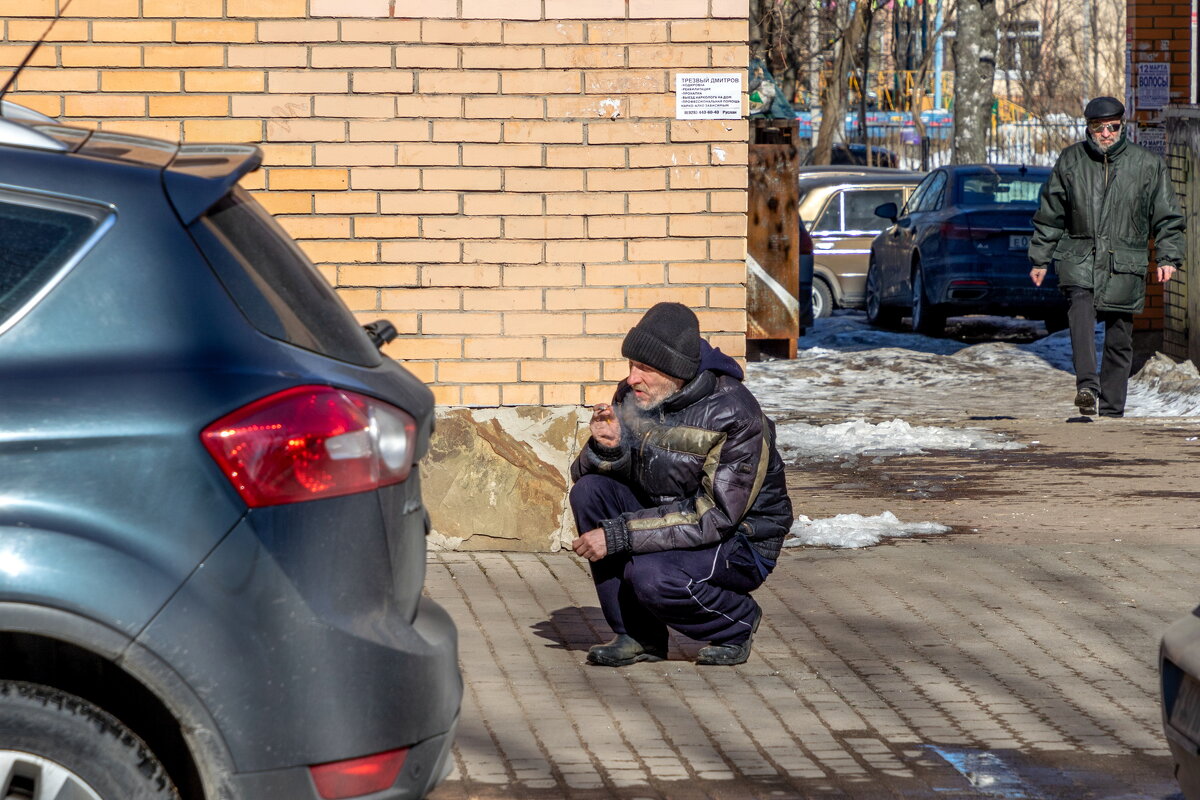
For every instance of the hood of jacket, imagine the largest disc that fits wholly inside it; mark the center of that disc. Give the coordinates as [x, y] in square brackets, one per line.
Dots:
[713, 365]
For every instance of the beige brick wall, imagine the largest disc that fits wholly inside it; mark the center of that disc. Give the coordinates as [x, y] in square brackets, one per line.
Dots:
[504, 180]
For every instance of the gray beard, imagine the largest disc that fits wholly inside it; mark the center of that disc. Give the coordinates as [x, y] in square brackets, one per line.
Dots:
[653, 406]
[1103, 148]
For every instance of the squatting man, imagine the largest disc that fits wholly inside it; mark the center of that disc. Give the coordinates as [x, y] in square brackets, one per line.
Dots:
[1106, 198]
[679, 498]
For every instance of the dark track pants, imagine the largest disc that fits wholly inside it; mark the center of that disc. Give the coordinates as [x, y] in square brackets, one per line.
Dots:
[702, 593]
[1112, 384]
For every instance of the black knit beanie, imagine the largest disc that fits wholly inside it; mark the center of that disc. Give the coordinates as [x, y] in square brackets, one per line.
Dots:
[666, 338]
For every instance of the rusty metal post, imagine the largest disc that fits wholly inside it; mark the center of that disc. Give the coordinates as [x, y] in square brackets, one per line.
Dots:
[773, 258]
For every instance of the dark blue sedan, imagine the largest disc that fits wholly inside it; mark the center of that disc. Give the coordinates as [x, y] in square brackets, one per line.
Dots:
[959, 247]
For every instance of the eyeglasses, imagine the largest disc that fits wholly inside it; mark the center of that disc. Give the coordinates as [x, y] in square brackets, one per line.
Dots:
[1105, 127]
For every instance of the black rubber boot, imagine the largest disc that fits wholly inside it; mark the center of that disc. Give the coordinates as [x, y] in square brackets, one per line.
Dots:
[1085, 399]
[622, 651]
[727, 655]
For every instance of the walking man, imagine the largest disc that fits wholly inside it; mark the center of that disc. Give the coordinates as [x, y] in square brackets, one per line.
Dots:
[679, 498]
[1105, 200]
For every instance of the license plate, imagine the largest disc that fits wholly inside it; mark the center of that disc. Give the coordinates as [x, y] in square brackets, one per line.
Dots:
[1018, 242]
[1185, 714]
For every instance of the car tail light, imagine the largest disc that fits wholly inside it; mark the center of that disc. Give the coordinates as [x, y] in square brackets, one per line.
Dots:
[969, 283]
[310, 442]
[358, 776]
[953, 230]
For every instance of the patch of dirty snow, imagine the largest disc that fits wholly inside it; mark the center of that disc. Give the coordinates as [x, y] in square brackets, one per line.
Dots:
[854, 530]
[844, 366]
[802, 441]
[1164, 389]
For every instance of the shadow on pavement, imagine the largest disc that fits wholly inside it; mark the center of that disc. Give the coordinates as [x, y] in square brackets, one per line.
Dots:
[572, 628]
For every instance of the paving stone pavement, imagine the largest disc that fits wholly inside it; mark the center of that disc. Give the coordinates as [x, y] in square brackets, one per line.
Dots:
[873, 674]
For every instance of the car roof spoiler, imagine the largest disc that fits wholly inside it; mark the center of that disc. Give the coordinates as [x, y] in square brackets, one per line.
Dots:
[201, 174]
[194, 175]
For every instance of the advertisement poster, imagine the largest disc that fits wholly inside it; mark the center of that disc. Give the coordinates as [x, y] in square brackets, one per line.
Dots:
[702, 95]
[1153, 139]
[1153, 85]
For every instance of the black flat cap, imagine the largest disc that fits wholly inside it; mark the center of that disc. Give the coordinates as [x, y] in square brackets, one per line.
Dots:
[1104, 108]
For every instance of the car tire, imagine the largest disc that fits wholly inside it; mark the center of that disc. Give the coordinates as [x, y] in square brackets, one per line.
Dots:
[877, 313]
[822, 299]
[927, 318]
[49, 737]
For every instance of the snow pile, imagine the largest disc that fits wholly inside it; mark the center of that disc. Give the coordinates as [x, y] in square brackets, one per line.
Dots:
[800, 440]
[1055, 349]
[847, 367]
[854, 530]
[1164, 389]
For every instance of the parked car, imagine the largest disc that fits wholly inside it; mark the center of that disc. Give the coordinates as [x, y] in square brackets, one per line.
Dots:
[959, 246]
[212, 539]
[856, 154]
[838, 209]
[1179, 674]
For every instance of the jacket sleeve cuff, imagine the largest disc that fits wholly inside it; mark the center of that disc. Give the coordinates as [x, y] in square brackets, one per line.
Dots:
[616, 535]
[606, 453]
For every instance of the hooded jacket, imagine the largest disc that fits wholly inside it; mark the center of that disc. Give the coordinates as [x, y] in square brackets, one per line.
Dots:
[1097, 215]
[704, 463]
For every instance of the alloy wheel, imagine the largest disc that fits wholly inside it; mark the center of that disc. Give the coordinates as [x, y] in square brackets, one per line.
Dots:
[25, 776]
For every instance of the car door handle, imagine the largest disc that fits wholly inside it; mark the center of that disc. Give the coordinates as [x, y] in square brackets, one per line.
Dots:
[825, 245]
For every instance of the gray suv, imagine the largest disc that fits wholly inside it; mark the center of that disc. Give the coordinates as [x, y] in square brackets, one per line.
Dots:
[212, 538]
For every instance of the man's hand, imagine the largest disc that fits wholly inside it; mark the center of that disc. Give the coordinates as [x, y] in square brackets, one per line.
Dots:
[605, 427]
[591, 545]
[1038, 274]
[1165, 271]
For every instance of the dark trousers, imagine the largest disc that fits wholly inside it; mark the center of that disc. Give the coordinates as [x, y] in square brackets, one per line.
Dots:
[702, 593]
[1112, 383]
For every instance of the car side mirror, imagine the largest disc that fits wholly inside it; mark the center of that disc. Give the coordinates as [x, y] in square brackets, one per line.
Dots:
[887, 211]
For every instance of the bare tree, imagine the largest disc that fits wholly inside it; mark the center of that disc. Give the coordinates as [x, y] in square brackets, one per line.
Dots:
[974, 71]
[834, 92]
[1056, 54]
[918, 94]
[786, 35]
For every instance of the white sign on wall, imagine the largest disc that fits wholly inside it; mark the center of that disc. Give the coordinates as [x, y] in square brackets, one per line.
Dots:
[1153, 85]
[706, 95]
[1153, 139]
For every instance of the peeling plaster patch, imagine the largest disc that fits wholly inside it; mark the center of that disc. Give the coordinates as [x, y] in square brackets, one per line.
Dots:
[720, 153]
[613, 106]
[498, 478]
[439, 542]
[540, 428]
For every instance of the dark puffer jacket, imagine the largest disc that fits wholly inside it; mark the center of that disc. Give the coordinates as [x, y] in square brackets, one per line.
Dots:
[1098, 212]
[704, 462]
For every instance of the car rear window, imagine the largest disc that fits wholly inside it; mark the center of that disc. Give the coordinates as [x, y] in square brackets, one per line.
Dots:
[990, 189]
[40, 238]
[275, 285]
[853, 210]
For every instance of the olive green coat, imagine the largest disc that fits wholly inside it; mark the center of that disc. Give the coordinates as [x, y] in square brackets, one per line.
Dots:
[1098, 213]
